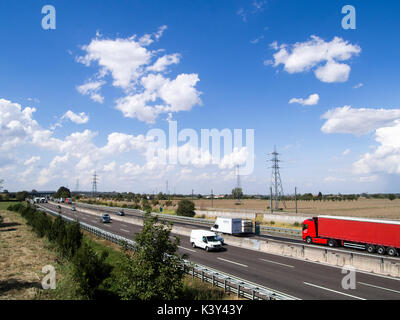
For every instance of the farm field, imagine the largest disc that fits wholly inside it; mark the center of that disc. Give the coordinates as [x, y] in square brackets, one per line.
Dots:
[371, 208]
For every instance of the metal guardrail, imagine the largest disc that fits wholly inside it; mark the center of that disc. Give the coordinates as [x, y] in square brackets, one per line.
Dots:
[231, 284]
[163, 216]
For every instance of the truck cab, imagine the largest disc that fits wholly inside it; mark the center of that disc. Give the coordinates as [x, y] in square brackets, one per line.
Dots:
[310, 232]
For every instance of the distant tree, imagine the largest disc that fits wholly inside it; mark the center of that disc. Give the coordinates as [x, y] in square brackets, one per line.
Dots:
[63, 192]
[22, 195]
[34, 191]
[391, 197]
[185, 208]
[237, 193]
[1, 184]
[155, 271]
[319, 196]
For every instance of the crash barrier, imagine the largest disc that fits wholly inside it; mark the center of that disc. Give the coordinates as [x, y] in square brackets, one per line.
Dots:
[231, 284]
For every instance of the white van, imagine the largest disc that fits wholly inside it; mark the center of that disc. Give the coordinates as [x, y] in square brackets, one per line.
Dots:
[205, 239]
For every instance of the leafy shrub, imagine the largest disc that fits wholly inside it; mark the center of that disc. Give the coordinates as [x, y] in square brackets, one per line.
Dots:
[185, 208]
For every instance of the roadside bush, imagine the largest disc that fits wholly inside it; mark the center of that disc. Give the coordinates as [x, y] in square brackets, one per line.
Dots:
[185, 208]
[72, 240]
[90, 270]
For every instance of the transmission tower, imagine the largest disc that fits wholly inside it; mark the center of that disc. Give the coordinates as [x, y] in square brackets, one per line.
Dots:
[276, 182]
[238, 197]
[94, 184]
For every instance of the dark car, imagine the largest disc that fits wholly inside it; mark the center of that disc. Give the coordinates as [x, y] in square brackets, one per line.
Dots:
[73, 209]
[105, 218]
[120, 213]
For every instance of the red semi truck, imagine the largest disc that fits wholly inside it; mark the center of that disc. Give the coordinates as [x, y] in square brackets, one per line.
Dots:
[381, 236]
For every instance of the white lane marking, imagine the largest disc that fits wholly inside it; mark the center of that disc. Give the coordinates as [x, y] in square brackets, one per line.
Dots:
[124, 225]
[239, 264]
[345, 294]
[94, 221]
[83, 218]
[371, 285]
[187, 249]
[282, 264]
[125, 230]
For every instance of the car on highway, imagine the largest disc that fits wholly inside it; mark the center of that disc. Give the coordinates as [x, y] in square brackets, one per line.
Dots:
[120, 213]
[105, 218]
[59, 207]
[219, 238]
[204, 239]
[73, 209]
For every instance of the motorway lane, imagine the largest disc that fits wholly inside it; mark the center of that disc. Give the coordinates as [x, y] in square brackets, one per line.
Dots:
[272, 237]
[302, 279]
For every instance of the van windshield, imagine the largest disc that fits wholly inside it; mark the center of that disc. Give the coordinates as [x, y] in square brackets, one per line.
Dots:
[212, 238]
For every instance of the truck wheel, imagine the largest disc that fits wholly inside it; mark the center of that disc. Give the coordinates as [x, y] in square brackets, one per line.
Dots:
[193, 245]
[370, 248]
[331, 243]
[309, 240]
[381, 250]
[207, 249]
[392, 252]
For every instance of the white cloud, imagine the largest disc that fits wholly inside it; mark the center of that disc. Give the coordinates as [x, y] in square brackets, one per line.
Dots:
[346, 152]
[319, 55]
[92, 89]
[358, 85]
[175, 95]
[358, 121]
[310, 101]
[386, 157]
[237, 157]
[80, 118]
[32, 160]
[333, 72]
[132, 67]
[163, 62]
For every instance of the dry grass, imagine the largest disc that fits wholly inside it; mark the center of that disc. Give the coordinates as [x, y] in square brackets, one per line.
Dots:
[22, 256]
[374, 208]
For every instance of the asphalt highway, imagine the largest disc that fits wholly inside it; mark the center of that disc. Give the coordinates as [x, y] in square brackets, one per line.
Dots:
[298, 278]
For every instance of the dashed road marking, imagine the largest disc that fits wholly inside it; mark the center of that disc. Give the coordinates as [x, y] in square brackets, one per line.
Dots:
[345, 294]
[239, 264]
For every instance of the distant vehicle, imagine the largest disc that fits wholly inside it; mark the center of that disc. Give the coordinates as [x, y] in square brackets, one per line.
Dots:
[227, 226]
[120, 213]
[204, 239]
[68, 200]
[73, 209]
[219, 238]
[59, 207]
[372, 235]
[105, 218]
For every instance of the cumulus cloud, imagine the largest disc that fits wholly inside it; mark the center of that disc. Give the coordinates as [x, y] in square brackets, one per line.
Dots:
[386, 157]
[140, 73]
[358, 121]
[386, 124]
[325, 58]
[80, 118]
[92, 89]
[310, 101]
[161, 95]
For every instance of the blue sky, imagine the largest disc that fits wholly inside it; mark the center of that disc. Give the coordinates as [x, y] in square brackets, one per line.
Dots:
[225, 64]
